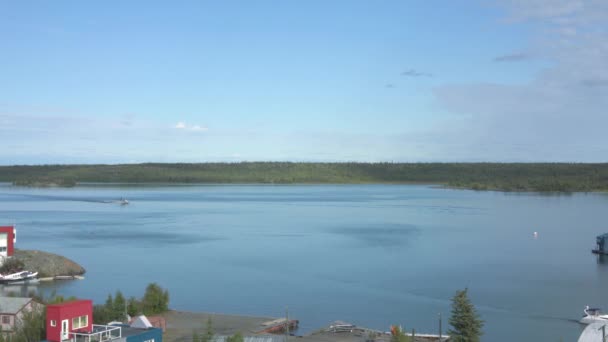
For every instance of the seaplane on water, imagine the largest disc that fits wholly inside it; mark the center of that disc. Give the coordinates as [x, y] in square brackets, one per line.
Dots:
[593, 315]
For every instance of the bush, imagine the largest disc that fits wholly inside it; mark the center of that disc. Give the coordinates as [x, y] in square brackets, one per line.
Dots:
[12, 265]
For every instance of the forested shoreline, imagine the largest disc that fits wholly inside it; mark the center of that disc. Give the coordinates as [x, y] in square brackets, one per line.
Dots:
[543, 177]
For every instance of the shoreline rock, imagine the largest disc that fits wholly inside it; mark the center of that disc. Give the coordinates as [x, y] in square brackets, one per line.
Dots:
[48, 264]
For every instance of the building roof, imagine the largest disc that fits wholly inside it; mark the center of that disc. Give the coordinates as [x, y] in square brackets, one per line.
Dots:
[141, 322]
[592, 333]
[71, 303]
[12, 305]
[127, 331]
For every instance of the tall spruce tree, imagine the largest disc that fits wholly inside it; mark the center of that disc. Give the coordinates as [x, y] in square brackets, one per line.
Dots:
[119, 307]
[466, 323]
[209, 332]
[133, 306]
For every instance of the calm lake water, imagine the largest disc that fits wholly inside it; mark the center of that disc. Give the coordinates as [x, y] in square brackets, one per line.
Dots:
[373, 255]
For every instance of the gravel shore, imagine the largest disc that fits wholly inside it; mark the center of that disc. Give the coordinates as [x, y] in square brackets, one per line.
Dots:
[181, 324]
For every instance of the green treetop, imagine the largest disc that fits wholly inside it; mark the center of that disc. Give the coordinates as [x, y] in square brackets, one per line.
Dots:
[466, 323]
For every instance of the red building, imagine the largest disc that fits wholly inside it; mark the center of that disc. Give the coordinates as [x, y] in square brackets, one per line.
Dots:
[66, 318]
[8, 237]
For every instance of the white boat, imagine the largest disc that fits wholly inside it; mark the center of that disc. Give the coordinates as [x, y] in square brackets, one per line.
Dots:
[339, 326]
[19, 277]
[592, 315]
[124, 201]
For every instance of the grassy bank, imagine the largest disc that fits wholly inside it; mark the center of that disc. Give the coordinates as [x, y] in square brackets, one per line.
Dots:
[563, 177]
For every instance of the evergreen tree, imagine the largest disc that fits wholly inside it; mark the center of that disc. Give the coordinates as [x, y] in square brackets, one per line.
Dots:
[133, 307]
[209, 333]
[118, 307]
[156, 300]
[109, 302]
[465, 321]
[100, 314]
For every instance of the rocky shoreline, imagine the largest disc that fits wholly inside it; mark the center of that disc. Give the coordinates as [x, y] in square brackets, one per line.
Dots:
[48, 264]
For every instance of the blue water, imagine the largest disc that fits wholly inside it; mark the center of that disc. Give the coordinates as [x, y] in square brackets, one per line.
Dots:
[373, 255]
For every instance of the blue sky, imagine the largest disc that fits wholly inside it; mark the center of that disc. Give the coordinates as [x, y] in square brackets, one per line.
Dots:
[196, 81]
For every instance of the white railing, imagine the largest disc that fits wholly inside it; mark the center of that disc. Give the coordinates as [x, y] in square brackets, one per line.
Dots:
[99, 333]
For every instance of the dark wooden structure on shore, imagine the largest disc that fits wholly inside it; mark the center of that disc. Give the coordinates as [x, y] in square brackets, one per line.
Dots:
[601, 244]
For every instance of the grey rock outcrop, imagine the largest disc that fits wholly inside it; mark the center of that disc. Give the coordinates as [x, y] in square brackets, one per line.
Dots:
[48, 264]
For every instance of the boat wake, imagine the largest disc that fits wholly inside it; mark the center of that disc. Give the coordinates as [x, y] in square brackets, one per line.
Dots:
[69, 198]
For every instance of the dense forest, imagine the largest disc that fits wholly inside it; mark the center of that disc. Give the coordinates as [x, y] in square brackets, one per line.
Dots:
[562, 177]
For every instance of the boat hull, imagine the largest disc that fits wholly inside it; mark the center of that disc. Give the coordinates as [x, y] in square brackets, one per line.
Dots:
[24, 277]
[281, 327]
[594, 319]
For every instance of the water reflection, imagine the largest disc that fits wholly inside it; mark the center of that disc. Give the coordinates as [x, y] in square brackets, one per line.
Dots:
[19, 290]
[602, 260]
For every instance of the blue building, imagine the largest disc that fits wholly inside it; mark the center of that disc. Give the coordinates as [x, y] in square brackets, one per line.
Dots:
[140, 330]
[130, 334]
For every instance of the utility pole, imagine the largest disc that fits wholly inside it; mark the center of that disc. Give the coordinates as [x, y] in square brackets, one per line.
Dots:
[440, 327]
[286, 323]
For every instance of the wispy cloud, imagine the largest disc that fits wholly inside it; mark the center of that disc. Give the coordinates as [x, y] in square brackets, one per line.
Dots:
[515, 57]
[390, 85]
[415, 73]
[196, 128]
[595, 83]
[559, 114]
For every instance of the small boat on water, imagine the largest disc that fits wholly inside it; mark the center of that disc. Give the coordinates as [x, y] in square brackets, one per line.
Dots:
[592, 315]
[124, 201]
[19, 277]
[279, 326]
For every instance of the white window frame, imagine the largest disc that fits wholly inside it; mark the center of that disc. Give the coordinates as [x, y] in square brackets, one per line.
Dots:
[53, 323]
[80, 322]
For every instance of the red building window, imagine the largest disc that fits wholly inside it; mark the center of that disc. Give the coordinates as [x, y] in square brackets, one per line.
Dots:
[80, 322]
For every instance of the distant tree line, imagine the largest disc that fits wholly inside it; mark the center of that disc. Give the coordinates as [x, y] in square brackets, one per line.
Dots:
[562, 177]
[116, 308]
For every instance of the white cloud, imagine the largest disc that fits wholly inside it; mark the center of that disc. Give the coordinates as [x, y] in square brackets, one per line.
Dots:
[195, 128]
[199, 128]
